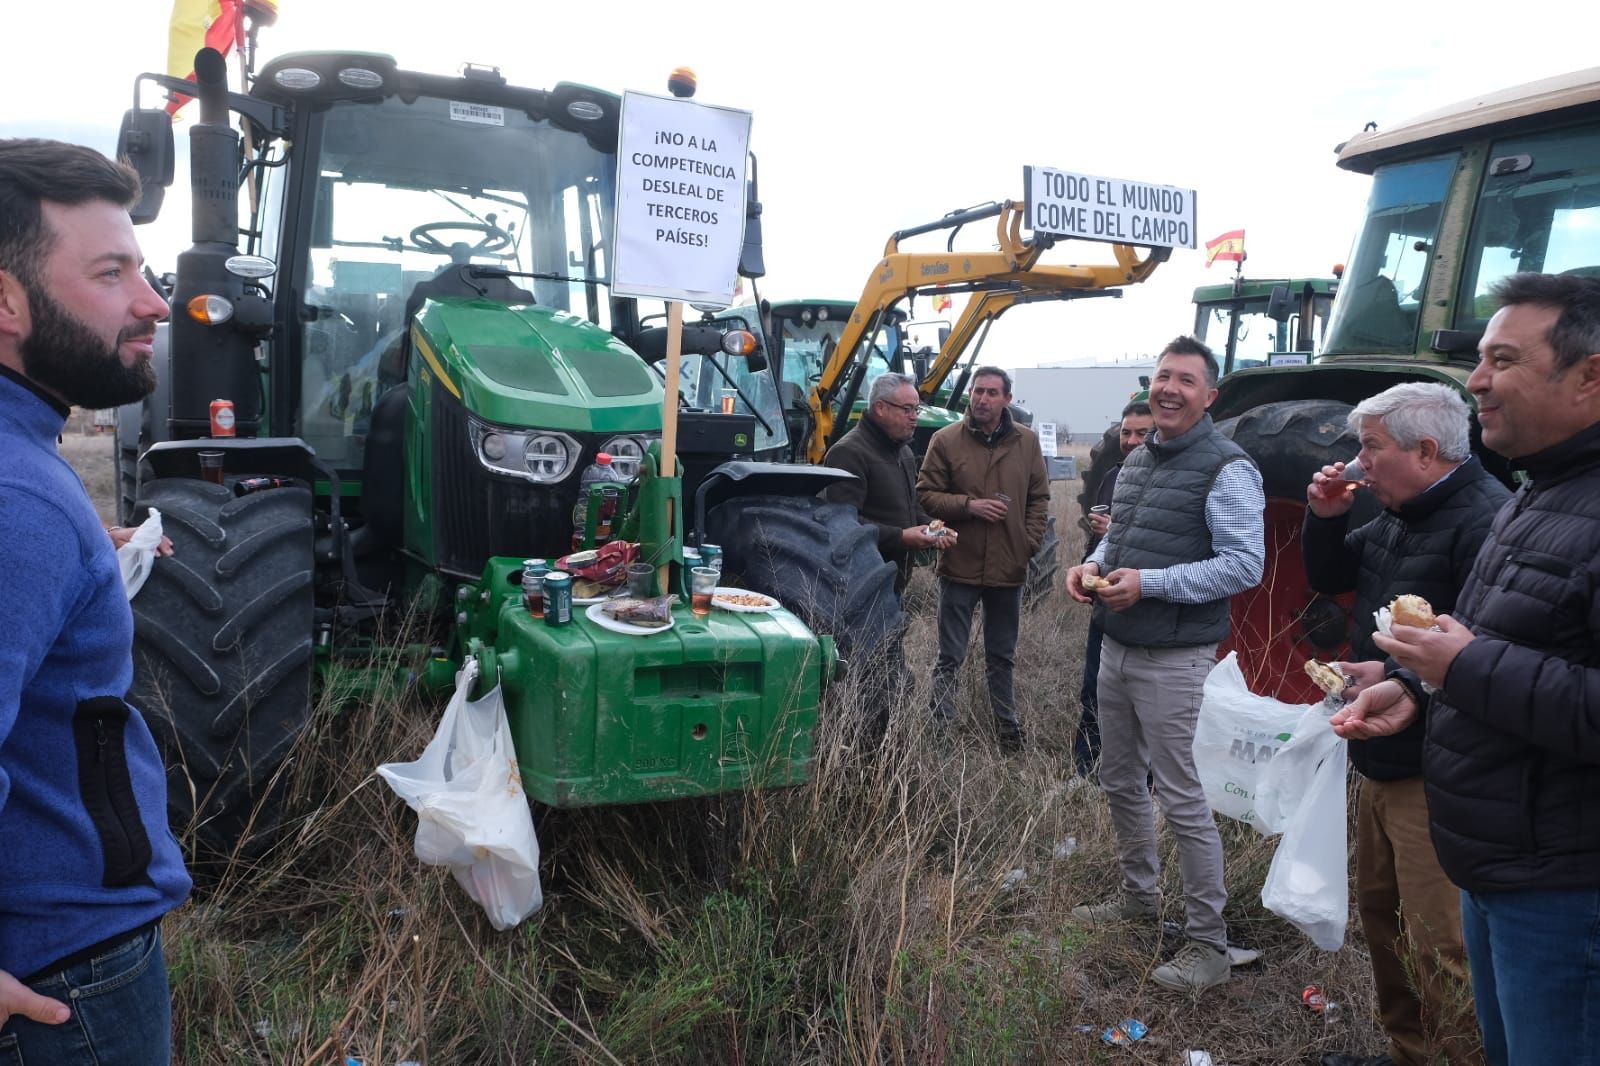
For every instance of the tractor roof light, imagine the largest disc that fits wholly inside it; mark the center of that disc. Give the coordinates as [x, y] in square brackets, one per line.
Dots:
[586, 111]
[297, 79]
[210, 310]
[360, 78]
[250, 266]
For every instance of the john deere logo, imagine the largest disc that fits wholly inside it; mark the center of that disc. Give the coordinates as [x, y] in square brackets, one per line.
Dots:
[740, 440]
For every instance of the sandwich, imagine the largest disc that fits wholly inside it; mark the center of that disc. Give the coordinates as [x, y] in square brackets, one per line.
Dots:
[1326, 677]
[1094, 582]
[936, 528]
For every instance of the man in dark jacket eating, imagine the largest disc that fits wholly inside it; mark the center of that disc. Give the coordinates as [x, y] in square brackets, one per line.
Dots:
[1512, 756]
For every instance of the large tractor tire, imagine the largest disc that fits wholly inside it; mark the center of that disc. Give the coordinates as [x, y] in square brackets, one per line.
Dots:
[1281, 623]
[819, 559]
[1043, 566]
[223, 655]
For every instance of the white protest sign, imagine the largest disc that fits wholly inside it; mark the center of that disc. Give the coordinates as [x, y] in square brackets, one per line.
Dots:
[1047, 438]
[1085, 207]
[680, 199]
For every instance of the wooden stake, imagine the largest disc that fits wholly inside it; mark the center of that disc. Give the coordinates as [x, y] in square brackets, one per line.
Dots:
[669, 420]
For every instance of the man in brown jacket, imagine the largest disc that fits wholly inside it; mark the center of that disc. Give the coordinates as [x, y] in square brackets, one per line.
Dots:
[985, 477]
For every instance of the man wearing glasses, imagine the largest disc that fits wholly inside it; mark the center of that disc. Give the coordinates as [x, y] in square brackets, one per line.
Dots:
[885, 493]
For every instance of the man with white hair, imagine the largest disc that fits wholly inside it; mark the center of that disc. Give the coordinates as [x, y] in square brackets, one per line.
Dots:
[1439, 503]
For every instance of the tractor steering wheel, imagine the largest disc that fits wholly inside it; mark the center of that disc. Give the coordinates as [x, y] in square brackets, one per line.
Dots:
[494, 239]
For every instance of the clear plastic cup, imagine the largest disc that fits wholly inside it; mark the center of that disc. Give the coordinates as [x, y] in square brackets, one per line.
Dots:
[702, 583]
[1354, 471]
[211, 466]
[641, 580]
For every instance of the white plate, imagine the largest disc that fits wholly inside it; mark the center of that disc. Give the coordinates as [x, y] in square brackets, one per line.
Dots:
[724, 590]
[596, 614]
[584, 601]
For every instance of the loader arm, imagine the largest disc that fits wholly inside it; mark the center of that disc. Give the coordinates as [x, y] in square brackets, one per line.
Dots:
[1009, 271]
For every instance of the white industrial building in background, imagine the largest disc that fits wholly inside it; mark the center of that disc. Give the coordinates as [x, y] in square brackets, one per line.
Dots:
[1082, 401]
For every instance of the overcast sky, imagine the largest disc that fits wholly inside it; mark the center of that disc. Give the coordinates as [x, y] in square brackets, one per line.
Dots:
[867, 121]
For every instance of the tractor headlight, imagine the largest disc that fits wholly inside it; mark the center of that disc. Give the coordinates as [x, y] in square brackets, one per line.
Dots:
[626, 453]
[541, 456]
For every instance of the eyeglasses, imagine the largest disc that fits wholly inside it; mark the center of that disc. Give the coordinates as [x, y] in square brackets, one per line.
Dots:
[906, 408]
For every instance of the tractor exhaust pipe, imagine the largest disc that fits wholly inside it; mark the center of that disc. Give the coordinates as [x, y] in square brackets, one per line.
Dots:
[211, 362]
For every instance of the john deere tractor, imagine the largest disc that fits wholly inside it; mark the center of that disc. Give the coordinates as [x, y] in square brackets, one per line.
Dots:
[410, 315]
[1505, 182]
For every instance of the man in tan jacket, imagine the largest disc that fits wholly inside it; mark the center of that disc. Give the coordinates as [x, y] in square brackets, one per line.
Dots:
[985, 477]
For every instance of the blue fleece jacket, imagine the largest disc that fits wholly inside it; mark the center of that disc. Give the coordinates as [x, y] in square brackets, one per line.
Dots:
[85, 852]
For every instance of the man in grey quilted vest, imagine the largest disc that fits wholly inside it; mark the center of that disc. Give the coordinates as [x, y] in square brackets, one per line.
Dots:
[1186, 535]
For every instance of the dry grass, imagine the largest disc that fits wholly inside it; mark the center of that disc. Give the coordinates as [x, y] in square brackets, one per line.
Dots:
[870, 916]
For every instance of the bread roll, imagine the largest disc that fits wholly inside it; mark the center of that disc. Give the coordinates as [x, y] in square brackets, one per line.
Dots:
[1411, 611]
[1094, 582]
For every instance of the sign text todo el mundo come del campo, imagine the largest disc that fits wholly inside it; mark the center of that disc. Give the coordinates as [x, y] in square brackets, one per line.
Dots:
[680, 199]
[1085, 207]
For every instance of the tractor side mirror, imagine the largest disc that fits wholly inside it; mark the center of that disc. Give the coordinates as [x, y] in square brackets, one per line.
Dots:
[145, 144]
[1279, 306]
[751, 262]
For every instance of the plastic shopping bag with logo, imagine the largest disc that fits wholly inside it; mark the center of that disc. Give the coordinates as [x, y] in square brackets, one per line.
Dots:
[472, 815]
[1236, 738]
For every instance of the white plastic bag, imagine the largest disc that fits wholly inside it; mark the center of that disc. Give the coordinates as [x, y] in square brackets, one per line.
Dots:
[138, 557]
[1309, 882]
[1236, 738]
[472, 815]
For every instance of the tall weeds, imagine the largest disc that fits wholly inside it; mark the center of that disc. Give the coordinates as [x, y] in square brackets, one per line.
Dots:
[874, 915]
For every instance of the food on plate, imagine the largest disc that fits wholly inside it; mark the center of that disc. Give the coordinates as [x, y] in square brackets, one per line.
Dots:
[744, 599]
[1094, 582]
[1411, 611]
[586, 589]
[1328, 678]
[652, 613]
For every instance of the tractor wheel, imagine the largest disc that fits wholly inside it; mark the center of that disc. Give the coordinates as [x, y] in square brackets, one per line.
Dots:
[223, 655]
[1042, 567]
[1281, 623]
[819, 559]
[1103, 458]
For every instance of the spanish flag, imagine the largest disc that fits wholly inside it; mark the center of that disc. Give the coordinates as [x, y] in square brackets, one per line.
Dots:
[941, 302]
[1229, 246]
[218, 24]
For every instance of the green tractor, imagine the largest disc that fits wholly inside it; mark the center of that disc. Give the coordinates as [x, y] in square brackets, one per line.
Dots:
[1460, 197]
[422, 356]
[1253, 322]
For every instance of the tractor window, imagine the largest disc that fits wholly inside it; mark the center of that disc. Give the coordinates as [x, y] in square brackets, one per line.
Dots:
[807, 346]
[1539, 210]
[493, 187]
[1381, 295]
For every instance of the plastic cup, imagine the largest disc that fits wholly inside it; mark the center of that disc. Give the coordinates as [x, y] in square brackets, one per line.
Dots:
[702, 583]
[1100, 508]
[641, 580]
[728, 398]
[1354, 471]
[211, 466]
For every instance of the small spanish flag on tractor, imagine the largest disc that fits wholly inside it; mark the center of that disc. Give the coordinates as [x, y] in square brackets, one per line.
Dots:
[941, 302]
[1229, 246]
[218, 24]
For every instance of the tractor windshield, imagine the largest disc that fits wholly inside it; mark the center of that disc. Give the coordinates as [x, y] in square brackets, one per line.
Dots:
[407, 189]
[1539, 210]
[1382, 292]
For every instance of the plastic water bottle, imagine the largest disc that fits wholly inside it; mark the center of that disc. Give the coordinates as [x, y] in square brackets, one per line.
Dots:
[601, 473]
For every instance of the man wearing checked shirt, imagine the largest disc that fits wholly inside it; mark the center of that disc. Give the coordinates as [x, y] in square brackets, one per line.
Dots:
[1186, 535]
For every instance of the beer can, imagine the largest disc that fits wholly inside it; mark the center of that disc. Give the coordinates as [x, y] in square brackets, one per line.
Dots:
[222, 418]
[557, 598]
[711, 555]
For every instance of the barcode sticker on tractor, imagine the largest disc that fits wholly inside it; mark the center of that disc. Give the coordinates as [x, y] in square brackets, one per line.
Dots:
[481, 113]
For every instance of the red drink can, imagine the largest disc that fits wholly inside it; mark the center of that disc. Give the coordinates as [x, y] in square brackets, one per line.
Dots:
[222, 418]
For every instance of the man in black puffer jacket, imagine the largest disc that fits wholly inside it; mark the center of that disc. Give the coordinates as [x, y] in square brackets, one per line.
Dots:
[1438, 504]
[1512, 755]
